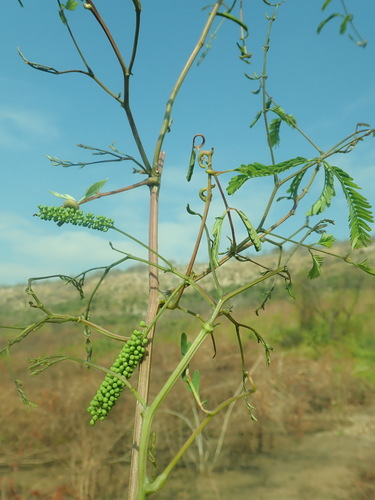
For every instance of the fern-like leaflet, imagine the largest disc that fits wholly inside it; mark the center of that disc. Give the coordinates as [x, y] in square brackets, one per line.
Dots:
[327, 194]
[359, 209]
[259, 170]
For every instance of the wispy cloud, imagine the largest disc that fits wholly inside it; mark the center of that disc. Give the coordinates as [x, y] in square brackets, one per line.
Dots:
[21, 127]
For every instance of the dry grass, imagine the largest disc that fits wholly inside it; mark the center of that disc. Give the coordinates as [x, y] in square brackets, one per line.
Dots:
[51, 452]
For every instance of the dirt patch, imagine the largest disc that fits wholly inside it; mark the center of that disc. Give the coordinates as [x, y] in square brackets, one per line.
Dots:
[329, 465]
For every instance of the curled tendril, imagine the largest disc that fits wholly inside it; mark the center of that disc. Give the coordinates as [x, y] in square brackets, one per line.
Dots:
[203, 194]
[198, 146]
[205, 158]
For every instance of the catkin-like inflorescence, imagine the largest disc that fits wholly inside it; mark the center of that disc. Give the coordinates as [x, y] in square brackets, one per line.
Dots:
[63, 215]
[130, 357]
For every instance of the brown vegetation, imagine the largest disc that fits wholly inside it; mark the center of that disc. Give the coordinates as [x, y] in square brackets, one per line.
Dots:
[320, 382]
[51, 452]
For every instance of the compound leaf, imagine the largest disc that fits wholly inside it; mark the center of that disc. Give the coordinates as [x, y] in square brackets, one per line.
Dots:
[236, 182]
[294, 185]
[253, 235]
[364, 266]
[327, 240]
[274, 132]
[327, 194]
[360, 211]
[259, 170]
[288, 119]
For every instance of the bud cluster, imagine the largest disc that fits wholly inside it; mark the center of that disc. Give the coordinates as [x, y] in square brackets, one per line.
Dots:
[63, 215]
[130, 357]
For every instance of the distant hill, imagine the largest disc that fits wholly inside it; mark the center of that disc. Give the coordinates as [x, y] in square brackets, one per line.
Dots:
[127, 290]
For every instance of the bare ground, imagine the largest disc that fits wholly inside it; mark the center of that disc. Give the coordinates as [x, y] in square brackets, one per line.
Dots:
[331, 465]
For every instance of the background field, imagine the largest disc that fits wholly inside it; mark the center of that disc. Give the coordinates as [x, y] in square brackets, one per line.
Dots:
[315, 431]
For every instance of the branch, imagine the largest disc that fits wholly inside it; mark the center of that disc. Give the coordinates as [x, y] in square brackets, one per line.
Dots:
[89, 5]
[168, 110]
[126, 74]
[54, 71]
[146, 182]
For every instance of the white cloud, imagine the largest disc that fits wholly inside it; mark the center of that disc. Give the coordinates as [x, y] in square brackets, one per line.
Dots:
[29, 250]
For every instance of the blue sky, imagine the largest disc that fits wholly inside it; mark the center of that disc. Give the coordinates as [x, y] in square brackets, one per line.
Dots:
[325, 81]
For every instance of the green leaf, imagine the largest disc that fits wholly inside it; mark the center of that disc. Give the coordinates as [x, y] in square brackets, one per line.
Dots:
[364, 266]
[323, 23]
[294, 185]
[56, 162]
[326, 240]
[62, 16]
[260, 170]
[327, 194]
[234, 19]
[184, 344]
[288, 119]
[216, 233]
[71, 5]
[245, 55]
[255, 77]
[195, 381]
[63, 196]
[317, 264]
[257, 116]
[253, 235]
[93, 189]
[347, 19]
[236, 182]
[268, 104]
[274, 127]
[360, 211]
[274, 132]
[290, 290]
[191, 164]
[326, 3]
